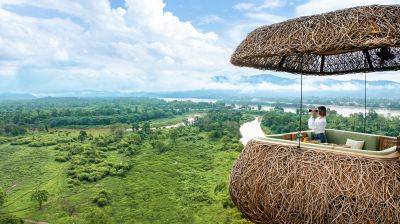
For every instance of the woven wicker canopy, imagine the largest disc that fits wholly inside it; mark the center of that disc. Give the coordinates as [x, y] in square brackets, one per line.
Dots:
[360, 39]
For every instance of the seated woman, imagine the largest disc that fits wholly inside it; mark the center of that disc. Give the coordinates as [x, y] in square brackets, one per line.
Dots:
[318, 124]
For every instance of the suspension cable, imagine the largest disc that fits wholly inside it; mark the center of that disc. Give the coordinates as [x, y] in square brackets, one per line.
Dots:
[365, 102]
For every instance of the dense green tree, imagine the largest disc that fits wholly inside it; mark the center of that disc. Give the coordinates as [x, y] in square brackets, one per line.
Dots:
[173, 134]
[146, 129]
[134, 138]
[135, 126]
[82, 135]
[40, 196]
[59, 112]
[13, 129]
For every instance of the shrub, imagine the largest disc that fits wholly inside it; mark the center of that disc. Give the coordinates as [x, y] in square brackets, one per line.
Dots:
[111, 148]
[62, 158]
[73, 181]
[10, 219]
[96, 216]
[130, 150]
[227, 203]
[88, 162]
[102, 199]
[4, 140]
[160, 146]
[41, 143]
[76, 149]
[21, 141]
[68, 207]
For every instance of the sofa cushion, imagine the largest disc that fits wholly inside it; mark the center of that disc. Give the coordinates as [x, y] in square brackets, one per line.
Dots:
[355, 144]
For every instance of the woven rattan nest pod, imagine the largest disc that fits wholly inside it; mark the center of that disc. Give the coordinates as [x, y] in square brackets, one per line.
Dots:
[275, 180]
[360, 39]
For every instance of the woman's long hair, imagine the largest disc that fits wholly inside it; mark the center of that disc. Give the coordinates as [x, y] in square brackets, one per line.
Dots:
[322, 111]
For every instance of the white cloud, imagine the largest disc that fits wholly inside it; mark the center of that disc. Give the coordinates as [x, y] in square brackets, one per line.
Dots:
[321, 6]
[265, 4]
[142, 47]
[255, 16]
[209, 19]
[244, 6]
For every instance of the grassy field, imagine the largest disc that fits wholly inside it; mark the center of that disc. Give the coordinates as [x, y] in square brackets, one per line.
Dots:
[186, 184]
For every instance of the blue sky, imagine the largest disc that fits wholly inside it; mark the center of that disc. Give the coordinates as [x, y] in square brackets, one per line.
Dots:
[136, 45]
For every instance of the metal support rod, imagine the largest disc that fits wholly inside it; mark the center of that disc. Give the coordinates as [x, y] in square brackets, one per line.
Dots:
[370, 65]
[365, 102]
[301, 108]
[282, 61]
[321, 68]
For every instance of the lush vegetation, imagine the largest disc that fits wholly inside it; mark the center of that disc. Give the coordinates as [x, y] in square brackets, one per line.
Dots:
[111, 161]
[43, 114]
[144, 175]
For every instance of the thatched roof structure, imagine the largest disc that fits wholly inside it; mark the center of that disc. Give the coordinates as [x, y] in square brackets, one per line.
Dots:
[275, 183]
[360, 39]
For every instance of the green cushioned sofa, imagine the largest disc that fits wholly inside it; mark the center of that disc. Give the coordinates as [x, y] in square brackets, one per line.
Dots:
[339, 137]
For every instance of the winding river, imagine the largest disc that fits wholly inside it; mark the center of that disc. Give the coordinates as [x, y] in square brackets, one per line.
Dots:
[251, 130]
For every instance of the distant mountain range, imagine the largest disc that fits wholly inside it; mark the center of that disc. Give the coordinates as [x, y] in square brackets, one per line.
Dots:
[244, 87]
[266, 78]
[277, 80]
[268, 85]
